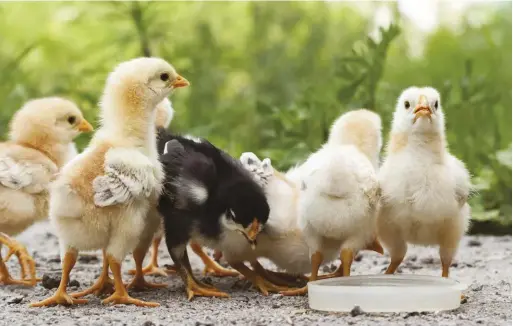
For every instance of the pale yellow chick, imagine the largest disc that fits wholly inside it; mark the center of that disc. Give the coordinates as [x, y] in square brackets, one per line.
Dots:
[41, 135]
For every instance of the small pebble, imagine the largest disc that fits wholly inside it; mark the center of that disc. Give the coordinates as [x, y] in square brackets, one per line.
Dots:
[474, 243]
[428, 260]
[15, 300]
[148, 323]
[411, 314]
[454, 265]
[325, 269]
[358, 257]
[464, 300]
[50, 282]
[88, 259]
[74, 283]
[478, 288]
[356, 311]
[55, 259]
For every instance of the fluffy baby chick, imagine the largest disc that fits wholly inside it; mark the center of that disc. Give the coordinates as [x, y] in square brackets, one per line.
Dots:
[164, 117]
[102, 198]
[41, 133]
[339, 192]
[209, 198]
[424, 188]
[105, 285]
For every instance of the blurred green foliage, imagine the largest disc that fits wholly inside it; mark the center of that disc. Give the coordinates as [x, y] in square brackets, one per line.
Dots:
[271, 77]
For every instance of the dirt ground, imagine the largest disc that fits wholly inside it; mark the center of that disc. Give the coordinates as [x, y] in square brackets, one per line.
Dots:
[484, 263]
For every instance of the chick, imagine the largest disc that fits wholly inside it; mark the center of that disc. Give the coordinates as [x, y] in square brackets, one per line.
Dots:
[164, 117]
[105, 285]
[208, 198]
[340, 192]
[41, 133]
[102, 198]
[424, 188]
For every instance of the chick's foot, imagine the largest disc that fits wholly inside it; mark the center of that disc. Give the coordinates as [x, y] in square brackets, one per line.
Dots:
[211, 267]
[295, 292]
[195, 288]
[140, 284]
[27, 263]
[124, 298]
[150, 269]
[59, 298]
[264, 286]
[104, 285]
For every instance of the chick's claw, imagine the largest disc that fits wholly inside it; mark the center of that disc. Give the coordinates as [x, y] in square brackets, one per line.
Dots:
[101, 287]
[140, 284]
[265, 286]
[27, 263]
[295, 292]
[151, 270]
[126, 299]
[59, 298]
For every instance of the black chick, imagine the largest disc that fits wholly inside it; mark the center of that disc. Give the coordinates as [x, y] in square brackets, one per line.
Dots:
[207, 195]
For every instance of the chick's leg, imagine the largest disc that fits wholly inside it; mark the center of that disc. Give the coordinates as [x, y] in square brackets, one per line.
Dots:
[259, 282]
[61, 296]
[26, 262]
[316, 260]
[211, 267]
[139, 282]
[104, 284]
[192, 286]
[120, 295]
[153, 267]
[279, 279]
[397, 252]
[446, 256]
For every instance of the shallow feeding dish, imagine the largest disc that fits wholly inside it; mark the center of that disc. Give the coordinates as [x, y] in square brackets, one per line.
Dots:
[385, 293]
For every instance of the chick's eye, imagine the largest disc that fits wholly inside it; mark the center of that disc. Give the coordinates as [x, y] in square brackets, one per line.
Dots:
[407, 104]
[71, 120]
[436, 105]
[164, 77]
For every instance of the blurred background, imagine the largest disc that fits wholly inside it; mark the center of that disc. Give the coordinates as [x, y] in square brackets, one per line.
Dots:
[270, 77]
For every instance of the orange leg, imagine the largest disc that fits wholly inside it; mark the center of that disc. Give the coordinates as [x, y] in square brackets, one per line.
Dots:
[316, 260]
[260, 283]
[139, 282]
[279, 279]
[61, 296]
[104, 284]
[153, 267]
[211, 267]
[120, 295]
[26, 262]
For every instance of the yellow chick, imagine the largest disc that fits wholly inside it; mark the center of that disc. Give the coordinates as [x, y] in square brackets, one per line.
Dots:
[102, 198]
[424, 188]
[41, 134]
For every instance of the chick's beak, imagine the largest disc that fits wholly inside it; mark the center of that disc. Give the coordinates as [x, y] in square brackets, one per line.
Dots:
[251, 233]
[84, 126]
[180, 82]
[422, 109]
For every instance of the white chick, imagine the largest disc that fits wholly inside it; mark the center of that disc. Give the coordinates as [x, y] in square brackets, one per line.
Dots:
[340, 193]
[102, 198]
[40, 135]
[424, 188]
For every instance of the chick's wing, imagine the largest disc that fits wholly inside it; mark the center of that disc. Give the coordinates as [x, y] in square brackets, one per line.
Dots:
[25, 169]
[128, 175]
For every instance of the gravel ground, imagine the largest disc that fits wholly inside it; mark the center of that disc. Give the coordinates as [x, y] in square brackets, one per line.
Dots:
[484, 263]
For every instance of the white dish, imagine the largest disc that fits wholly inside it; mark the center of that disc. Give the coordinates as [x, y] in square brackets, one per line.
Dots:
[385, 293]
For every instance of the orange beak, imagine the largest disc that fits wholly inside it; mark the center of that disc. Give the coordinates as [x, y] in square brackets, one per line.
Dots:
[422, 109]
[251, 233]
[84, 126]
[180, 82]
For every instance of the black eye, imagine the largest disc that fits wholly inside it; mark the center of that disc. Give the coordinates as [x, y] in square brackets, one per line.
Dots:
[72, 120]
[164, 77]
[436, 105]
[406, 104]
[231, 214]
